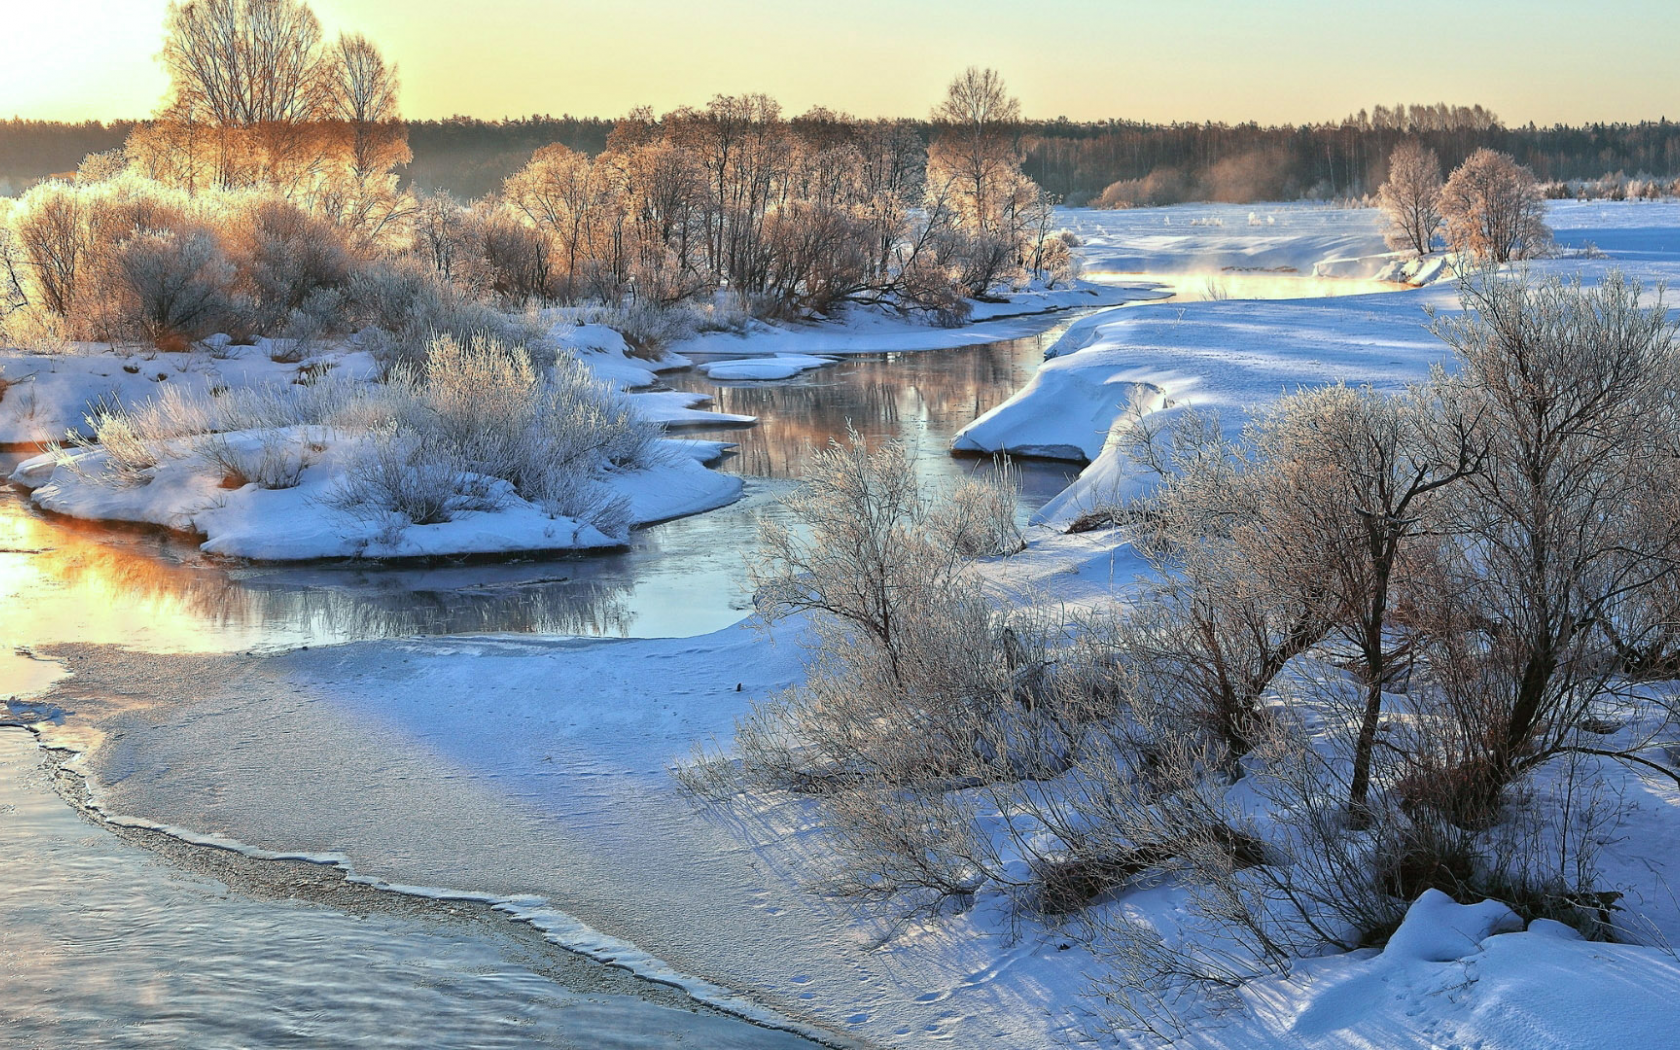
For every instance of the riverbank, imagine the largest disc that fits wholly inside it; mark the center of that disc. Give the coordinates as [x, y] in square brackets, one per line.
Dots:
[537, 766]
[110, 929]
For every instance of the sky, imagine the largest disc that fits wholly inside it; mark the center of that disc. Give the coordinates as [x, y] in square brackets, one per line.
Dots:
[1281, 61]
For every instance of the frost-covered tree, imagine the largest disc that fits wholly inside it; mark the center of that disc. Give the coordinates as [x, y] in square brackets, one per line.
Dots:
[362, 95]
[1494, 209]
[974, 145]
[1411, 198]
[259, 97]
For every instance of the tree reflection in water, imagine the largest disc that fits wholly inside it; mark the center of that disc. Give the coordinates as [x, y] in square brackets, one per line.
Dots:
[63, 581]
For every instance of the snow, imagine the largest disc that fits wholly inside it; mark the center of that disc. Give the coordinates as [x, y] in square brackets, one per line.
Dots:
[681, 408]
[299, 523]
[607, 354]
[1229, 356]
[50, 394]
[1236, 356]
[1300, 238]
[533, 771]
[1463, 976]
[779, 366]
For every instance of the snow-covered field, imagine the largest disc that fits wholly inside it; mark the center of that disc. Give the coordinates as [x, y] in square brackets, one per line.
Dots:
[535, 771]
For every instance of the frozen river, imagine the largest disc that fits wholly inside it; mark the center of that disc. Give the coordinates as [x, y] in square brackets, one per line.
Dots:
[105, 941]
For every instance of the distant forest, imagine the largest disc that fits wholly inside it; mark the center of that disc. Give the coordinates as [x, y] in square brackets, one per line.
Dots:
[1133, 162]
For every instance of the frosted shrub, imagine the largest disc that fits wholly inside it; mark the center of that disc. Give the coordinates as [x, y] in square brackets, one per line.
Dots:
[404, 305]
[650, 327]
[978, 516]
[912, 658]
[169, 288]
[481, 410]
[285, 256]
[276, 462]
[400, 478]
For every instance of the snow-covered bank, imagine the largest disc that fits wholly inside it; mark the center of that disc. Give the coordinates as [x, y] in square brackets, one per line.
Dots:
[1227, 355]
[1296, 238]
[187, 921]
[46, 396]
[526, 769]
[479, 453]
[1464, 976]
[859, 330]
[299, 523]
[1235, 356]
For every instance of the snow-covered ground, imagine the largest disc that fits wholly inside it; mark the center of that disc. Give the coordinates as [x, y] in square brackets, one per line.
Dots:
[1294, 238]
[1235, 355]
[299, 523]
[189, 491]
[860, 330]
[46, 396]
[534, 771]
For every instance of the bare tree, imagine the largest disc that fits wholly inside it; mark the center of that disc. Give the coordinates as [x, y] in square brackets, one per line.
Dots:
[253, 70]
[1351, 484]
[362, 92]
[974, 144]
[1494, 209]
[561, 195]
[1571, 390]
[1411, 198]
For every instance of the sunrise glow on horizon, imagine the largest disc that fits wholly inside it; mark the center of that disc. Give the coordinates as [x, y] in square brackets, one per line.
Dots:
[1292, 62]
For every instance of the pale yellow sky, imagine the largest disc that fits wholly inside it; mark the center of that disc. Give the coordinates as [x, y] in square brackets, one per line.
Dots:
[1284, 61]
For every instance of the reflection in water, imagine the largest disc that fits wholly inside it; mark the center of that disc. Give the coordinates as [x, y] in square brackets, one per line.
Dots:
[62, 581]
[920, 398]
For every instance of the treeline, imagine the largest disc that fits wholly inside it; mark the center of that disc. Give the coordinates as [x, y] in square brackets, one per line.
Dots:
[463, 156]
[30, 150]
[1166, 163]
[272, 206]
[1075, 160]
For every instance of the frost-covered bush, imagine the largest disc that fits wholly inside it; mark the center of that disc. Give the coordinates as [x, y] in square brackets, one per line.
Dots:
[402, 305]
[286, 256]
[269, 459]
[481, 419]
[168, 288]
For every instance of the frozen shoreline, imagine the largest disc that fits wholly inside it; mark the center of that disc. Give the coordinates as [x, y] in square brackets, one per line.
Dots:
[261, 876]
[520, 765]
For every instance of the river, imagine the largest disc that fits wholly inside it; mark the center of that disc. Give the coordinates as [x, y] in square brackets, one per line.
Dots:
[106, 941]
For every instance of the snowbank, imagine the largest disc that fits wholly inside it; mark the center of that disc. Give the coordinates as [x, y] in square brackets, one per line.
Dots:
[1230, 356]
[48, 396]
[1468, 976]
[780, 366]
[184, 492]
[1296, 238]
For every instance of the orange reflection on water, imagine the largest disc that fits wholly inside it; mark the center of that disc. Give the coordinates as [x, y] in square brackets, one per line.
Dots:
[63, 581]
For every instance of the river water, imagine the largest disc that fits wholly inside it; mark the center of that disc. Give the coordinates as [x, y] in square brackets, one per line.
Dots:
[104, 944]
[61, 582]
[101, 942]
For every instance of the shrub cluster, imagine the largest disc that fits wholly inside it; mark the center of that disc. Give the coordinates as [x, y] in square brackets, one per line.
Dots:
[1385, 647]
[472, 424]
